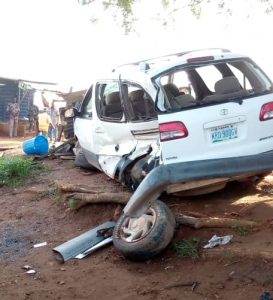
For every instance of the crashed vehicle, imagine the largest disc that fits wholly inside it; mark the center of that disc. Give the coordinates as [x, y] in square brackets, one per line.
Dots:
[184, 123]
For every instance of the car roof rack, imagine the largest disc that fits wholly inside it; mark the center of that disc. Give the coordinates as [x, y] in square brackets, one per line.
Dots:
[145, 65]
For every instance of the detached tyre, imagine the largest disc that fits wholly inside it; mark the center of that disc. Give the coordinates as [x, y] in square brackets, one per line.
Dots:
[144, 237]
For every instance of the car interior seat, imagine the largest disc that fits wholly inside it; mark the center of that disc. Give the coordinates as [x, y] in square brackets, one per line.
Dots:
[183, 101]
[226, 88]
[171, 90]
[142, 106]
[176, 98]
[113, 106]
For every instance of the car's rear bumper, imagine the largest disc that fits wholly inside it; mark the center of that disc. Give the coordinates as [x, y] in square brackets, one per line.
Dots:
[164, 175]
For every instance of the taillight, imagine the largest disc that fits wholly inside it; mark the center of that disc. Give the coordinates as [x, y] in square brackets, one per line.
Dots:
[172, 131]
[266, 112]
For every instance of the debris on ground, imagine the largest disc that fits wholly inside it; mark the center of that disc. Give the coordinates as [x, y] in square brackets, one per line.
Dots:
[218, 241]
[86, 243]
[40, 245]
[65, 147]
[28, 269]
[31, 271]
[193, 285]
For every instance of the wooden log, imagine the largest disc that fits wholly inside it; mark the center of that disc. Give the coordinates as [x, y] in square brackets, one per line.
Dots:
[82, 199]
[85, 194]
[108, 197]
[212, 222]
[71, 188]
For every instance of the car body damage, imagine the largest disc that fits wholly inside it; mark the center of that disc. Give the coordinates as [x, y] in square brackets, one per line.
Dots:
[163, 177]
[183, 123]
[189, 107]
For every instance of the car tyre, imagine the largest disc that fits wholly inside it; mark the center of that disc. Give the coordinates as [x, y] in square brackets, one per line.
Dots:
[81, 161]
[144, 237]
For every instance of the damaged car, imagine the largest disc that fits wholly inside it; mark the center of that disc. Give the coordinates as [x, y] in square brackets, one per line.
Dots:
[184, 123]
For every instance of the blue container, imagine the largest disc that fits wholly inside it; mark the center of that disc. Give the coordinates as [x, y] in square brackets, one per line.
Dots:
[37, 145]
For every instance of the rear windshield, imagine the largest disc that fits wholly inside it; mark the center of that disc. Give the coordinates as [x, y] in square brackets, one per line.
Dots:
[211, 83]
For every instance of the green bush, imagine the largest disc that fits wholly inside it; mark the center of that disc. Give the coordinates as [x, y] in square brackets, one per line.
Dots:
[14, 169]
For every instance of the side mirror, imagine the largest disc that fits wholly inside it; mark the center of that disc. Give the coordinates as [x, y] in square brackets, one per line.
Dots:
[70, 113]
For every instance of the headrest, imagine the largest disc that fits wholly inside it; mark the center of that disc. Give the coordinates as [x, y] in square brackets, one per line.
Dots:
[227, 85]
[172, 88]
[136, 95]
[112, 98]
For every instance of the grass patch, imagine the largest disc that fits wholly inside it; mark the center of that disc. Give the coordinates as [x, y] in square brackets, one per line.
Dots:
[187, 248]
[72, 204]
[15, 169]
[242, 231]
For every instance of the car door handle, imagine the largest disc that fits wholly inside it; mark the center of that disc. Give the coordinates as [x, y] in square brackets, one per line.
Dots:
[99, 130]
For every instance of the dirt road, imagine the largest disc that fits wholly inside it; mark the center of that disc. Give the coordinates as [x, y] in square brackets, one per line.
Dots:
[33, 214]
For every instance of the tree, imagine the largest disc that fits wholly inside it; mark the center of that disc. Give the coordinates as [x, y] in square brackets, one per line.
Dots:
[125, 9]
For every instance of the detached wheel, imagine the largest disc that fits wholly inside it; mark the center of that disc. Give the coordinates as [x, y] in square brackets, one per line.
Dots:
[144, 237]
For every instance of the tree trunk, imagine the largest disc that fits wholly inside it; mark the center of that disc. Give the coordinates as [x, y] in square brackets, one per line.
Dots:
[212, 222]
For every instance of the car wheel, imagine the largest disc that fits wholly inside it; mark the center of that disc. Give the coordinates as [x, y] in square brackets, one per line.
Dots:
[142, 238]
[81, 161]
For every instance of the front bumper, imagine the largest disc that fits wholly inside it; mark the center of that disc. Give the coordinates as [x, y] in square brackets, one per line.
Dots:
[160, 177]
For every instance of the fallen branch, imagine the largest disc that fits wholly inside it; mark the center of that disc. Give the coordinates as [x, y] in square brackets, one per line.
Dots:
[82, 199]
[212, 222]
[71, 188]
[84, 194]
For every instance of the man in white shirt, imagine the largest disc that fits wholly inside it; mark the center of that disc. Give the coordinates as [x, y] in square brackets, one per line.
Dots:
[53, 122]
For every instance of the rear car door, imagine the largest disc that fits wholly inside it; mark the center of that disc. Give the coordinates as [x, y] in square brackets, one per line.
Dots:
[226, 110]
[112, 138]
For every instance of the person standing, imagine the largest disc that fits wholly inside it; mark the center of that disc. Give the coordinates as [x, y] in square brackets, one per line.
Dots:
[14, 111]
[33, 117]
[53, 122]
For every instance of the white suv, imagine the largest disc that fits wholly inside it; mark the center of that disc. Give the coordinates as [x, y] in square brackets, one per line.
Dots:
[186, 122]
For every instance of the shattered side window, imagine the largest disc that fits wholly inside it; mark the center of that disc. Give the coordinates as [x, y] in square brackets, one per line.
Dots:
[140, 103]
[178, 90]
[108, 101]
[244, 82]
[181, 80]
[209, 75]
[87, 104]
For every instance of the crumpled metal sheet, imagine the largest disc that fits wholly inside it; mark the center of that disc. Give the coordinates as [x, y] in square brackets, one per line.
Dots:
[218, 241]
[82, 243]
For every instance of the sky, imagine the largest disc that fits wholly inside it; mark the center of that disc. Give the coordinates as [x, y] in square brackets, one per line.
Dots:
[55, 41]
